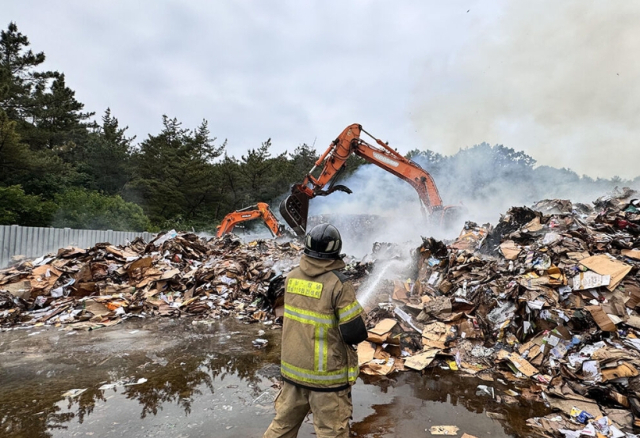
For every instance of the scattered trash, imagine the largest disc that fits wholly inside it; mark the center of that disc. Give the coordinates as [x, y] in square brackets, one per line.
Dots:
[443, 430]
[74, 392]
[260, 343]
[140, 381]
[485, 391]
[420, 361]
[580, 416]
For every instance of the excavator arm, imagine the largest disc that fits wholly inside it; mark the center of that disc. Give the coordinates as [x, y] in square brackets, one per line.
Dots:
[260, 210]
[295, 207]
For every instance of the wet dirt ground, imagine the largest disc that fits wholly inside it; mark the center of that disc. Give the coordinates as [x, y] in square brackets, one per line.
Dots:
[174, 378]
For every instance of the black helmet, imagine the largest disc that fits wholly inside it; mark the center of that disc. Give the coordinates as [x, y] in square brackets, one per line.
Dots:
[323, 242]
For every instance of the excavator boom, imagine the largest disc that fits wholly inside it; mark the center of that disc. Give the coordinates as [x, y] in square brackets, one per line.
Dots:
[295, 207]
[260, 210]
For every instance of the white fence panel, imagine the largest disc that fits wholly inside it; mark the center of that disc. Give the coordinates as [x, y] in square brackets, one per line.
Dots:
[33, 242]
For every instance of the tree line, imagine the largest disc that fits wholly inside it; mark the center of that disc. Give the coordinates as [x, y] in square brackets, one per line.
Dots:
[60, 167]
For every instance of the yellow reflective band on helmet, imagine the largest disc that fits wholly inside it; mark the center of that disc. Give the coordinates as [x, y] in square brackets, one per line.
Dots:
[304, 287]
[343, 375]
[347, 313]
[309, 317]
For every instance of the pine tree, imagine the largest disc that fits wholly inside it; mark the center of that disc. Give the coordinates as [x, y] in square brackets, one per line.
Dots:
[302, 161]
[14, 155]
[106, 157]
[18, 79]
[57, 118]
[174, 178]
[261, 174]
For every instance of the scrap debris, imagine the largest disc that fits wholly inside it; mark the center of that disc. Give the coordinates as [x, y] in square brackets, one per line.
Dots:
[547, 301]
[174, 275]
[443, 430]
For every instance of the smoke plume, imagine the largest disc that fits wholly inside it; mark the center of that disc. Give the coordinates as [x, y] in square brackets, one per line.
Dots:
[555, 79]
[486, 180]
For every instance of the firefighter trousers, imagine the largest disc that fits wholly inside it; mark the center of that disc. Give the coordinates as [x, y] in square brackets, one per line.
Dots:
[331, 412]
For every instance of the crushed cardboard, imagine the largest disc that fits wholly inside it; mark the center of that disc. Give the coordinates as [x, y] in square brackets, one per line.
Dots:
[174, 275]
[421, 360]
[543, 300]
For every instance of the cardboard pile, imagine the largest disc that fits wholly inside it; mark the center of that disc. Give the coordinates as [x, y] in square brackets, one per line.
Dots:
[174, 275]
[548, 302]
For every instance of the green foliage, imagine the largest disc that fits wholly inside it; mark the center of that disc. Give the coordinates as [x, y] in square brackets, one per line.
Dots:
[39, 172]
[175, 177]
[18, 208]
[18, 80]
[55, 118]
[14, 155]
[46, 108]
[487, 175]
[81, 208]
[262, 174]
[433, 158]
[302, 161]
[105, 161]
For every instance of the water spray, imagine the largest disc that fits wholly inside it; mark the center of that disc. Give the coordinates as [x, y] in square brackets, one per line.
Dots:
[366, 292]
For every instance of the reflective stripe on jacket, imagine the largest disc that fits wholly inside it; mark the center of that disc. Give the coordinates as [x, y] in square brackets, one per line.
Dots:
[317, 302]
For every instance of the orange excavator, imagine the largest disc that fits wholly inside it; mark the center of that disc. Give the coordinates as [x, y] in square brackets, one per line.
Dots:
[295, 208]
[260, 210]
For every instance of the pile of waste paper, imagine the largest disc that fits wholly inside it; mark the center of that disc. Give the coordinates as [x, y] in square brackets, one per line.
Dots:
[543, 306]
[174, 275]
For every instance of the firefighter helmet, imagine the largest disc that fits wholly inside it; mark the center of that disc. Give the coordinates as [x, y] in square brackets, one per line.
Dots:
[323, 242]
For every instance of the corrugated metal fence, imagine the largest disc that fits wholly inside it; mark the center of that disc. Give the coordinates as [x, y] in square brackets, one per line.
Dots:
[36, 241]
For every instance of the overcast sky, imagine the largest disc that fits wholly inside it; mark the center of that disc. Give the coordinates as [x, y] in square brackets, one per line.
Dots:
[555, 79]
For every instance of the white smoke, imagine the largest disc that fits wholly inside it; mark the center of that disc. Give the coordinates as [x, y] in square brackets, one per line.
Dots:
[555, 79]
[396, 205]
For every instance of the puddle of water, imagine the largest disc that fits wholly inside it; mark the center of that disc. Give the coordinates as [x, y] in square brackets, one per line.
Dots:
[410, 403]
[199, 378]
[203, 381]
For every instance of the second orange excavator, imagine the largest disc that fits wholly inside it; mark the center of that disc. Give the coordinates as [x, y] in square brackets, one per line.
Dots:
[260, 210]
[295, 208]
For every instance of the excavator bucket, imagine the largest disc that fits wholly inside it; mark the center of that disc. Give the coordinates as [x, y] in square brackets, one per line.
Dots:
[294, 210]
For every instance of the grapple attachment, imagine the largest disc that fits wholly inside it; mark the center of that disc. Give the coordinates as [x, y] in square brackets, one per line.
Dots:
[295, 209]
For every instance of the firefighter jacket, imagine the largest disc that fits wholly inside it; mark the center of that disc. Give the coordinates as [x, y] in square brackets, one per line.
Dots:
[317, 301]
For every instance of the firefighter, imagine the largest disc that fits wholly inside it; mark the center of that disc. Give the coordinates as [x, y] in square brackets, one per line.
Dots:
[323, 322]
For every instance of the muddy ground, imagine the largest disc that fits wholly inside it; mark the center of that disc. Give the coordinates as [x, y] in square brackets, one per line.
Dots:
[208, 380]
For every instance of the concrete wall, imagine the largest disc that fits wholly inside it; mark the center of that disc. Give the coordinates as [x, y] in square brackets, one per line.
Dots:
[33, 242]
